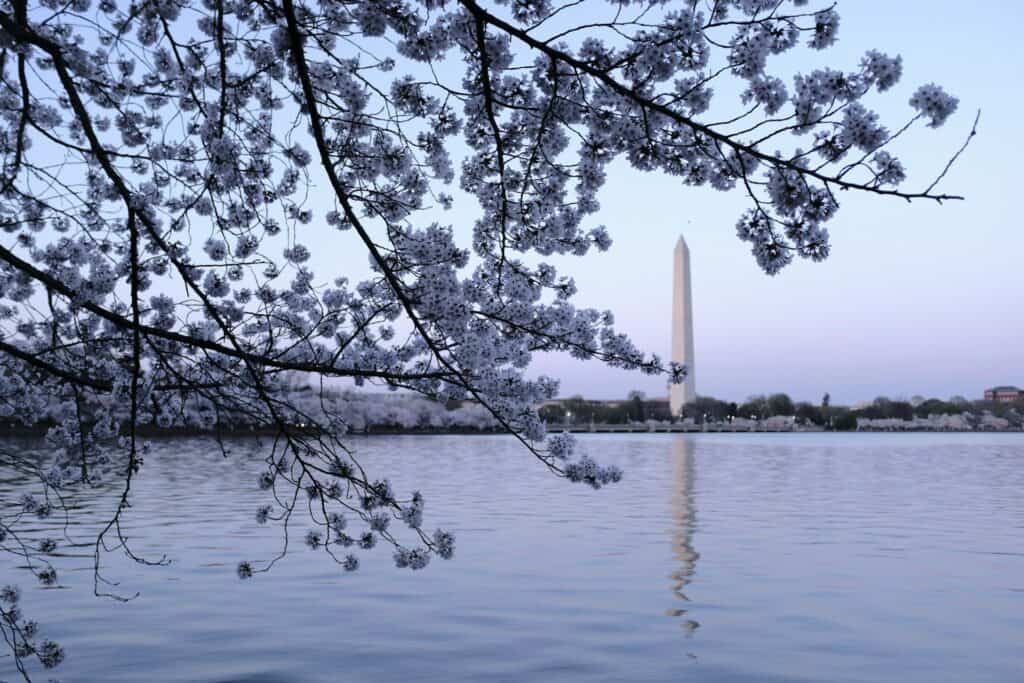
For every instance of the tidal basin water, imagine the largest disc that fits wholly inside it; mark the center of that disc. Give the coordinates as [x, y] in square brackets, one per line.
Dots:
[745, 557]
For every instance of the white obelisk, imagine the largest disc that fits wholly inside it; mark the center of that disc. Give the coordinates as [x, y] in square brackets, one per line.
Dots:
[682, 328]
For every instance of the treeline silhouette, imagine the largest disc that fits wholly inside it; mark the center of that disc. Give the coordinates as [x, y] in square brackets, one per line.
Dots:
[638, 408]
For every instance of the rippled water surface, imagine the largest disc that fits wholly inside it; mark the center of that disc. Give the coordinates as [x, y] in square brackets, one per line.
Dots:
[718, 558]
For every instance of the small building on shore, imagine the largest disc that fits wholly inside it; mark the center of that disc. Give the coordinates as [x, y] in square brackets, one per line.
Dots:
[1004, 394]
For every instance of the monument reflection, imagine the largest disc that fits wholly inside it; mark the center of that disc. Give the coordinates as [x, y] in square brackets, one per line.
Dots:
[684, 520]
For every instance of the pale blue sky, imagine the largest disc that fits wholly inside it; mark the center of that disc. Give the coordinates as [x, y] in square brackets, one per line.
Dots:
[915, 299]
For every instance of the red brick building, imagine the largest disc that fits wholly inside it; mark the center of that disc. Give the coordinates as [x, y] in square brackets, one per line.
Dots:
[1004, 394]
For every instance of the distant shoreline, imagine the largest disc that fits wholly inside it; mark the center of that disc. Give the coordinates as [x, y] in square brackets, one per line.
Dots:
[146, 431]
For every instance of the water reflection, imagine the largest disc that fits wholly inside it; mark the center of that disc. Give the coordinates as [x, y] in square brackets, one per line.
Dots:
[684, 521]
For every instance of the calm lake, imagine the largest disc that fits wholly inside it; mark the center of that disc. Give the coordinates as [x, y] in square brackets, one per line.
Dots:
[719, 557]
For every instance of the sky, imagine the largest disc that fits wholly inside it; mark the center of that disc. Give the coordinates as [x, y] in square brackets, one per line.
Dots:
[916, 299]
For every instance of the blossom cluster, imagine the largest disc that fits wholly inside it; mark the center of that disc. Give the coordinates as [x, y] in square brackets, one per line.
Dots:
[22, 634]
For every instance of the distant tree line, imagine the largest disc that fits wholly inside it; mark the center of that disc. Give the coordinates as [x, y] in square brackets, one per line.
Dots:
[637, 408]
[578, 410]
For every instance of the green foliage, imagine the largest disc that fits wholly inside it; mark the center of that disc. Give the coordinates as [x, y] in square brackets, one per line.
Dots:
[885, 408]
[709, 409]
[780, 404]
[635, 406]
[844, 421]
[756, 407]
[577, 410]
[807, 413]
[552, 414]
[934, 406]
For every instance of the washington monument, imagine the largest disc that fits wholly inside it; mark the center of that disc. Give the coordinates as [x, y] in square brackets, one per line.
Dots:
[682, 328]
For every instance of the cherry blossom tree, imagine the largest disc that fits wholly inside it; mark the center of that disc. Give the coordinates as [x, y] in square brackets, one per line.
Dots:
[168, 167]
